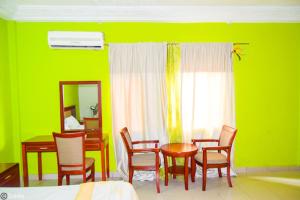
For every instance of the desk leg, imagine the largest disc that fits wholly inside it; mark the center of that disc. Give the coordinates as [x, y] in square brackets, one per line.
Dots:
[103, 161]
[166, 170]
[107, 160]
[40, 166]
[25, 166]
[186, 172]
[174, 167]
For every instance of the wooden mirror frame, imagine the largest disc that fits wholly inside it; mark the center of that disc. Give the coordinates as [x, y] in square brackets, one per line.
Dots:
[62, 110]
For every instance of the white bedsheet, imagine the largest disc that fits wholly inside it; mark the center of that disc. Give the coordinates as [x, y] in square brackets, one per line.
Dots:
[107, 190]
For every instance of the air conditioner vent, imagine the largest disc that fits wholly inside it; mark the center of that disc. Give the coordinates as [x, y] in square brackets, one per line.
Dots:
[75, 40]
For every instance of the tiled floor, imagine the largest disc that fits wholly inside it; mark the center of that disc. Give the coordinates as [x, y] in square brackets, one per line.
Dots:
[267, 185]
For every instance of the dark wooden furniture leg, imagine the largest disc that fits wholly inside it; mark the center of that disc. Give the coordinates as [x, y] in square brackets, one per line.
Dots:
[174, 167]
[25, 165]
[68, 179]
[220, 172]
[84, 177]
[228, 176]
[59, 178]
[157, 172]
[93, 172]
[107, 160]
[204, 170]
[166, 169]
[103, 162]
[130, 174]
[193, 168]
[40, 168]
[186, 172]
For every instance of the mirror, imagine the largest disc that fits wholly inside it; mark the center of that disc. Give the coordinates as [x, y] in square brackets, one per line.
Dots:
[80, 107]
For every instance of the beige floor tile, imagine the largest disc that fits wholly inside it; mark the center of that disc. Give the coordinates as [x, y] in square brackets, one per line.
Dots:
[255, 186]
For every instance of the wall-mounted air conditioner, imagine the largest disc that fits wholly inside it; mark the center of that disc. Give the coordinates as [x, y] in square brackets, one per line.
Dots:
[75, 40]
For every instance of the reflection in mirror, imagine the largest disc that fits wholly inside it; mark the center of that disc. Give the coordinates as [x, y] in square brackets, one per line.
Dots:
[82, 98]
[79, 103]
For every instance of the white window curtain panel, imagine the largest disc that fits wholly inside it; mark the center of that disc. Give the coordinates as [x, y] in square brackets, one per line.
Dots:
[208, 99]
[138, 90]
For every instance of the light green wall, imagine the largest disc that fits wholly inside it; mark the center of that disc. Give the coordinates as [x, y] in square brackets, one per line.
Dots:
[266, 81]
[267, 111]
[298, 56]
[6, 135]
[70, 95]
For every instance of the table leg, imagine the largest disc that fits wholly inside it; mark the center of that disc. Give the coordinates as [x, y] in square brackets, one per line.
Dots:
[166, 170]
[193, 168]
[68, 179]
[107, 160]
[40, 166]
[25, 166]
[186, 172]
[103, 161]
[174, 167]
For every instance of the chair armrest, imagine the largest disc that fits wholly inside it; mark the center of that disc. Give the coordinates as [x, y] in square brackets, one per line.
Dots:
[145, 141]
[194, 141]
[218, 148]
[225, 148]
[155, 150]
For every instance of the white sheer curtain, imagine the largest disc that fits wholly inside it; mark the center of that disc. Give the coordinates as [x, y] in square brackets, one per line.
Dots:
[138, 92]
[208, 99]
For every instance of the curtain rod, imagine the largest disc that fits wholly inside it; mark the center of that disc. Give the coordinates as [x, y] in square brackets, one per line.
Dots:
[174, 43]
[235, 43]
[241, 43]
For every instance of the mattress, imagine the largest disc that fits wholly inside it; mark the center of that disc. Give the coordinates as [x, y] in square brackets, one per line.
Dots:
[106, 190]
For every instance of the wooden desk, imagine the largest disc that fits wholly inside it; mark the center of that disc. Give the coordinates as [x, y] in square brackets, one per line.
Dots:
[179, 150]
[45, 143]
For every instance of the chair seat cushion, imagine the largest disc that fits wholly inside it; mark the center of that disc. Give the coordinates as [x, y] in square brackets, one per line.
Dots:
[212, 158]
[145, 159]
[88, 163]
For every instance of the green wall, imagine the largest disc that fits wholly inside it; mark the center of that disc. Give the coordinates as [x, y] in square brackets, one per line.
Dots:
[70, 94]
[298, 56]
[267, 101]
[266, 81]
[6, 135]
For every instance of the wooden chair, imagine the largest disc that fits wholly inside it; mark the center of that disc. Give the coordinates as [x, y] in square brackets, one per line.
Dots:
[91, 127]
[146, 159]
[71, 160]
[208, 159]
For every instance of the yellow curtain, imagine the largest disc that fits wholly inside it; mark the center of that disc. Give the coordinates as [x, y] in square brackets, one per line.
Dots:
[174, 127]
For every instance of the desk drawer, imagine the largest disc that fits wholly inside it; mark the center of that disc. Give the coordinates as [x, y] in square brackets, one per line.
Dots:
[10, 178]
[40, 148]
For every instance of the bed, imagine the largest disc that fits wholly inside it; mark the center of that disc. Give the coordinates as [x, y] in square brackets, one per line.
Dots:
[106, 190]
[70, 121]
[70, 110]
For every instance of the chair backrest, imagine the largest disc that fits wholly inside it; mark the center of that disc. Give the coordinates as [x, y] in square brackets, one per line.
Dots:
[70, 148]
[227, 136]
[126, 139]
[91, 127]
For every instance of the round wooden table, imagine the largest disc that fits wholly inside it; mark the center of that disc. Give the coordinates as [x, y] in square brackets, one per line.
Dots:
[175, 150]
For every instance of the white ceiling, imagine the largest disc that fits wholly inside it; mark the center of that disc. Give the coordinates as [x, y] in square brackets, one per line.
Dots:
[152, 10]
[158, 2]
